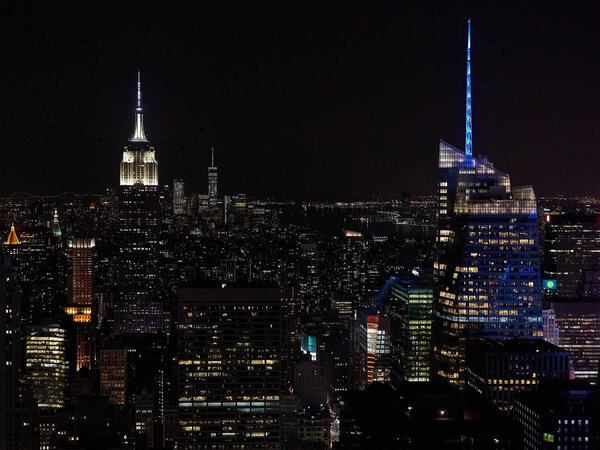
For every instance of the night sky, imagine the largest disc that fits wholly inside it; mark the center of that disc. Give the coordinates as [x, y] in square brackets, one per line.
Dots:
[335, 100]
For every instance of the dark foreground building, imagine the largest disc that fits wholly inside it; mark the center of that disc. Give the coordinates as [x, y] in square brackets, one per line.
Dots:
[229, 342]
[561, 416]
[500, 370]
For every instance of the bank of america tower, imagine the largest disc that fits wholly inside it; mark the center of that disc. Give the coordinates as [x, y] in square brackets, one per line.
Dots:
[487, 267]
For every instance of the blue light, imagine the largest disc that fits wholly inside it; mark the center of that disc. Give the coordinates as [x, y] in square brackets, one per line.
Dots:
[469, 140]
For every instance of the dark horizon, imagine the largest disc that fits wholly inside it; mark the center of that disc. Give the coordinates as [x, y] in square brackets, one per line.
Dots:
[299, 100]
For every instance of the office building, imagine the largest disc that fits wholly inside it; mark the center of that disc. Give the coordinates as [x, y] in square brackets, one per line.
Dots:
[11, 341]
[179, 197]
[113, 374]
[82, 298]
[308, 341]
[144, 418]
[578, 323]
[46, 365]
[137, 310]
[487, 265]
[571, 259]
[498, 370]
[372, 348]
[229, 342]
[551, 329]
[309, 384]
[409, 308]
[563, 416]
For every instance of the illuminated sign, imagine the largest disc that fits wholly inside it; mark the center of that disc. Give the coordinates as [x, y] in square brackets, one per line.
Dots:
[549, 284]
[548, 437]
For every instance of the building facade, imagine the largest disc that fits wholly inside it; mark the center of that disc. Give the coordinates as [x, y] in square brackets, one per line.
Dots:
[46, 365]
[578, 323]
[499, 370]
[372, 348]
[410, 311]
[229, 342]
[137, 310]
[571, 259]
[563, 416]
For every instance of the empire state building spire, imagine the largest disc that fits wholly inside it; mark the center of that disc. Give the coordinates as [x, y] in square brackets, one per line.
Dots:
[139, 165]
[138, 133]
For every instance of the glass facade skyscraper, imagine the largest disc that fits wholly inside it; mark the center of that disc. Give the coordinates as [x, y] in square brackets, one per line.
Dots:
[409, 310]
[487, 264]
[487, 267]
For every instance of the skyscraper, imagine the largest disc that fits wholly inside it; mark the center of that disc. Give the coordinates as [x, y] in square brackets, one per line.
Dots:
[137, 309]
[229, 342]
[487, 267]
[46, 364]
[373, 352]
[83, 270]
[579, 332]
[409, 309]
[178, 197]
[571, 260]
[10, 352]
[212, 180]
[81, 309]
[113, 373]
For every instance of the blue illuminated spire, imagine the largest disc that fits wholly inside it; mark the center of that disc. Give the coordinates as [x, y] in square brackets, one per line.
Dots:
[469, 139]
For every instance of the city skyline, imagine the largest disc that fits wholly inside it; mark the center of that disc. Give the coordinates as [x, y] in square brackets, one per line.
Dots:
[295, 102]
[245, 300]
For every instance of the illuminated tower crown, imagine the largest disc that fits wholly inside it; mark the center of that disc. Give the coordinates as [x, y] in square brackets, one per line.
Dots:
[139, 165]
[13, 239]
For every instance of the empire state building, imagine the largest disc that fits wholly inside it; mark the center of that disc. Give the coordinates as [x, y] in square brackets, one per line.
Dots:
[138, 308]
[139, 163]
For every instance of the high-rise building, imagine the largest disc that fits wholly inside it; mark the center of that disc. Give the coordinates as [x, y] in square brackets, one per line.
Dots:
[139, 163]
[82, 309]
[410, 311]
[212, 180]
[571, 259]
[137, 309]
[309, 383]
[144, 417]
[487, 267]
[10, 353]
[83, 270]
[179, 197]
[46, 364]
[498, 370]
[34, 255]
[562, 416]
[579, 332]
[551, 330]
[372, 348]
[229, 342]
[55, 227]
[113, 374]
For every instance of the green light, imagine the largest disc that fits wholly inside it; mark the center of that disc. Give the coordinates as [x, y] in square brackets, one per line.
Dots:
[548, 437]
